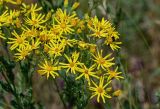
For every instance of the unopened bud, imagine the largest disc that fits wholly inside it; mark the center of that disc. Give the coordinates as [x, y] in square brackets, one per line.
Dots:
[75, 5]
[65, 3]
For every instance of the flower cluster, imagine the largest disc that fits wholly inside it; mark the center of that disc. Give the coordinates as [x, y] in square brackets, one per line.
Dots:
[61, 40]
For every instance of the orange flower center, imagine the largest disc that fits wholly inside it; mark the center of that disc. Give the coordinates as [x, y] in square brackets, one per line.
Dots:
[86, 71]
[98, 33]
[90, 23]
[110, 40]
[44, 37]
[100, 90]
[72, 64]
[55, 31]
[113, 74]
[34, 22]
[20, 40]
[32, 32]
[24, 53]
[101, 61]
[74, 22]
[63, 25]
[10, 19]
[33, 46]
[49, 68]
[56, 50]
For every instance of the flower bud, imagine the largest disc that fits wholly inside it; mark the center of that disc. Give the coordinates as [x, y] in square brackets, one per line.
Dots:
[75, 5]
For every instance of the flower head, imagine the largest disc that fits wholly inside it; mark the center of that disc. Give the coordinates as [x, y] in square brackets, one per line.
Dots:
[101, 61]
[114, 74]
[55, 48]
[98, 28]
[18, 41]
[3, 18]
[63, 21]
[35, 44]
[27, 9]
[113, 44]
[72, 64]
[100, 90]
[36, 20]
[48, 68]
[87, 73]
[23, 52]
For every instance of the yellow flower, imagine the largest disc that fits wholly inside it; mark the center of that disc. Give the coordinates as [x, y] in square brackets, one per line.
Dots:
[2, 35]
[14, 13]
[17, 22]
[104, 24]
[82, 45]
[92, 48]
[114, 45]
[97, 27]
[55, 48]
[1, 2]
[63, 21]
[18, 41]
[81, 24]
[35, 44]
[3, 18]
[117, 93]
[79, 30]
[87, 72]
[103, 62]
[63, 15]
[75, 5]
[73, 63]
[65, 3]
[112, 33]
[64, 27]
[55, 31]
[36, 20]
[75, 55]
[46, 48]
[100, 90]
[15, 2]
[49, 15]
[44, 36]
[114, 74]
[97, 32]
[47, 68]
[69, 42]
[30, 32]
[75, 21]
[27, 9]
[23, 52]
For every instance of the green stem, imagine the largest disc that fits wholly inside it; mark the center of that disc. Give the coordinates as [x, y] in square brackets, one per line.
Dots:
[6, 79]
[13, 89]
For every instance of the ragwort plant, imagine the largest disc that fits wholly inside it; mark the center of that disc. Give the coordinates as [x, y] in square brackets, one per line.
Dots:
[58, 44]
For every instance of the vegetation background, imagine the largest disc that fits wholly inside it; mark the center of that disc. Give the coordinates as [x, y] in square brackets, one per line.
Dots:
[138, 22]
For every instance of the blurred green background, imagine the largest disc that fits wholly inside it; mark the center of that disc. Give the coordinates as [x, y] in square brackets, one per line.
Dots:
[138, 22]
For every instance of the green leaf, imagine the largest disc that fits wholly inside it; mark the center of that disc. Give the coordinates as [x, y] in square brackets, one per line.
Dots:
[6, 87]
[14, 104]
[8, 65]
[48, 4]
